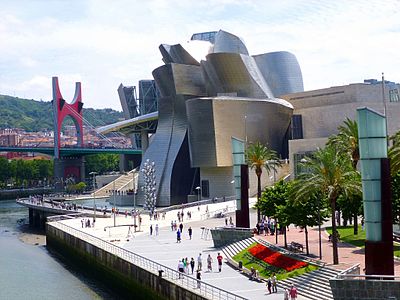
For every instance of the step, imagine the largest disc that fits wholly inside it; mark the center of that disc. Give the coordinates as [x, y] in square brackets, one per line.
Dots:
[310, 293]
[307, 287]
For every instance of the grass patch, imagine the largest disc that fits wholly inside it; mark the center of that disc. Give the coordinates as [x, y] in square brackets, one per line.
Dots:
[267, 270]
[347, 236]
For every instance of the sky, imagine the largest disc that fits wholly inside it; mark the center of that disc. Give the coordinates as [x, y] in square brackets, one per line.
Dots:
[104, 43]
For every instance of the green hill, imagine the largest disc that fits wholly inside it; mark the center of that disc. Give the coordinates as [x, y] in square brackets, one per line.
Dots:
[34, 115]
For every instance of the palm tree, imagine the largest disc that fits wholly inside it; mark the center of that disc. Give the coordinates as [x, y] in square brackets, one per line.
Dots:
[259, 156]
[346, 143]
[394, 154]
[329, 173]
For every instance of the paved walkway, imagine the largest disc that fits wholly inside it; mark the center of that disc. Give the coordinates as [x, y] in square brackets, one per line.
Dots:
[164, 249]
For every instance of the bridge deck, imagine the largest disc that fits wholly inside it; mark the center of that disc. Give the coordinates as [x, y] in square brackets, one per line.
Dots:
[75, 151]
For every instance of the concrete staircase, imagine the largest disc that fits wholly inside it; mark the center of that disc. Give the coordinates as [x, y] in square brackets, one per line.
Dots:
[122, 183]
[313, 285]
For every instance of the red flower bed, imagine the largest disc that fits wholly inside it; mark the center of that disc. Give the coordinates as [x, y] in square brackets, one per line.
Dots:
[276, 259]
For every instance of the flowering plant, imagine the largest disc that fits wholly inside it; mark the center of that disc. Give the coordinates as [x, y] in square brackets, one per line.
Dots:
[276, 259]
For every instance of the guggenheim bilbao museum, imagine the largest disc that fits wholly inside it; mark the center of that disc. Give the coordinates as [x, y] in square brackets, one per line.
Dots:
[227, 93]
[203, 104]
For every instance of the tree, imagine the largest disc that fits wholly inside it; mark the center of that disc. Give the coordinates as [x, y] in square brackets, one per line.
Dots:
[271, 199]
[101, 163]
[346, 143]
[258, 157]
[331, 174]
[307, 211]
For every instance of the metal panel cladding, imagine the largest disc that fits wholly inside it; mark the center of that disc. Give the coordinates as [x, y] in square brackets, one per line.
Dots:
[282, 72]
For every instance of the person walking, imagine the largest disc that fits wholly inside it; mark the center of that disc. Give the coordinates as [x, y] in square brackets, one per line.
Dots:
[274, 289]
[190, 232]
[157, 229]
[219, 259]
[198, 277]
[185, 265]
[180, 268]
[181, 227]
[269, 285]
[178, 236]
[286, 294]
[199, 262]
[151, 229]
[293, 293]
[192, 264]
[209, 263]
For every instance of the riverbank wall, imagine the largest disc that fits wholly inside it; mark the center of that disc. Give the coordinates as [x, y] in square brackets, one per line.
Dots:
[21, 193]
[130, 280]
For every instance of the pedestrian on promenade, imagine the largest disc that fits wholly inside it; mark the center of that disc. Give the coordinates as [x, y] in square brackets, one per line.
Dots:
[181, 227]
[219, 259]
[190, 232]
[209, 263]
[157, 229]
[286, 294]
[198, 277]
[192, 264]
[180, 268]
[199, 262]
[274, 289]
[172, 225]
[178, 236]
[186, 263]
[151, 229]
[293, 293]
[269, 285]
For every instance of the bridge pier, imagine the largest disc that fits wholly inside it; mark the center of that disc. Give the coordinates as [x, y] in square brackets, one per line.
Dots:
[124, 160]
[68, 166]
[37, 218]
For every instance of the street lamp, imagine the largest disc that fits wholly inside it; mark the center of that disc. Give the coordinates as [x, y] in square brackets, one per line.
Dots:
[94, 194]
[198, 193]
[114, 192]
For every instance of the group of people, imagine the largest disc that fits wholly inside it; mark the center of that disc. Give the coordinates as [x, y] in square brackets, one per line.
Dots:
[85, 222]
[267, 226]
[184, 264]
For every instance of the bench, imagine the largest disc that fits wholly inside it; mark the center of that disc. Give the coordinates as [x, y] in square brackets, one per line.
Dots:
[296, 247]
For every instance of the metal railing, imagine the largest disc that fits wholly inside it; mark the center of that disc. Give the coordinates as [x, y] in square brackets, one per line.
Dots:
[196, 203]
[349, 271]
[373, 277]
[204, 289]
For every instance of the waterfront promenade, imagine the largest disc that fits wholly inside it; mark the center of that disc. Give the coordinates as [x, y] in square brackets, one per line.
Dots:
[164, 249]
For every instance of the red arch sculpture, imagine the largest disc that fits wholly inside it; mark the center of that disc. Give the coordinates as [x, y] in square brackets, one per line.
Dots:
[62, 109]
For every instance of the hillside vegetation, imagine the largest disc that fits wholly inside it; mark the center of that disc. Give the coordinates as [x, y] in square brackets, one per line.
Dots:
[34, 115]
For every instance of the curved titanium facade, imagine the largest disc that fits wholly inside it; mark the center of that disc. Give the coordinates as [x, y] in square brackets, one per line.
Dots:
[235, 73]
[169, 146]
[213, 121]
[282, 72]
[225, 42]
[177, 54]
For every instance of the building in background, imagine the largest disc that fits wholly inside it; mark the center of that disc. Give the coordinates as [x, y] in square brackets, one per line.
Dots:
[318, 113]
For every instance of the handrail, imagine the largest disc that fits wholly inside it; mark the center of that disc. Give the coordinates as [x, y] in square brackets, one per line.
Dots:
[207, 290]
[196, 203]
[363, 276]
[349, 270]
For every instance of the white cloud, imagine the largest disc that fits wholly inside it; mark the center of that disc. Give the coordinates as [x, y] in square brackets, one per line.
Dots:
[104, 43]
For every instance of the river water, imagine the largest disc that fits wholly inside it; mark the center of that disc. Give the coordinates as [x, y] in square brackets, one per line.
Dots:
[29, 271]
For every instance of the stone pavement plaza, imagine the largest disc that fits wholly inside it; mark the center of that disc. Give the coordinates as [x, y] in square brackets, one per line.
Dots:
[165, 250]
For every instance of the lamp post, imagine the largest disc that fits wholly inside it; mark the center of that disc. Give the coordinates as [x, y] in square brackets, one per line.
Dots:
[114, 201]
[134, 201]
[198, 189]
[94, 193]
